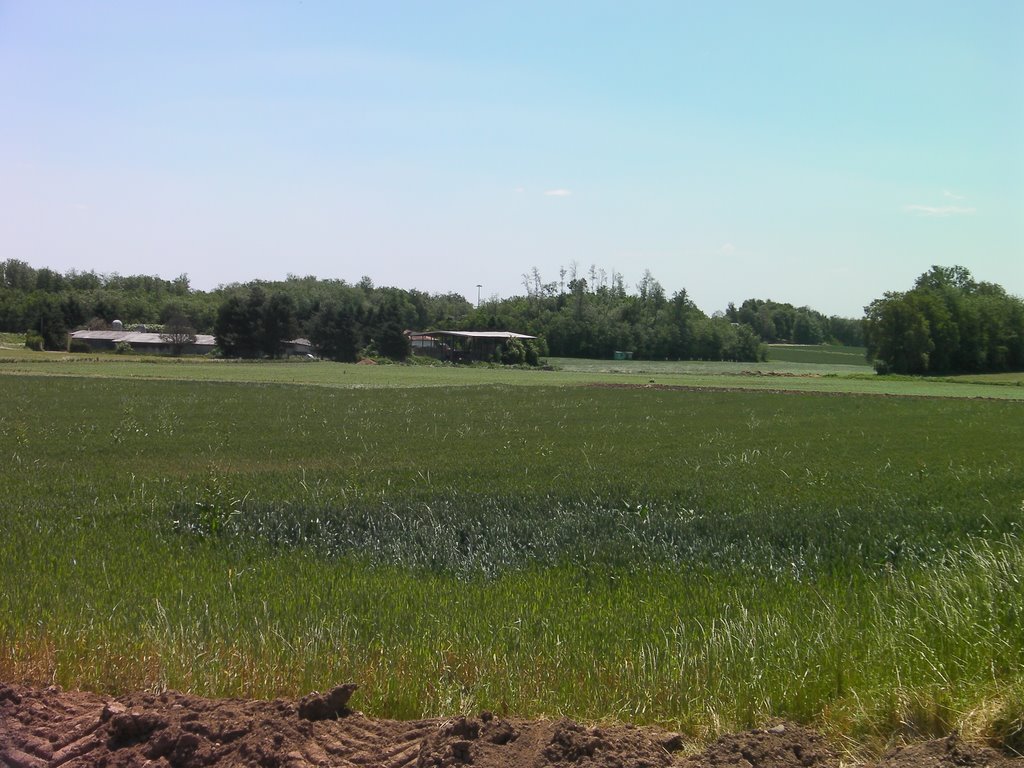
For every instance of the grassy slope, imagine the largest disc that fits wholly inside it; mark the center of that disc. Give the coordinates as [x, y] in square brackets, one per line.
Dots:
[706, 559]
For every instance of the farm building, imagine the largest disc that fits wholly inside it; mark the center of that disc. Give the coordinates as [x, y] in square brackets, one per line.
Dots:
[154, 343]
[461, 346]
[141, 342]
[298, 347]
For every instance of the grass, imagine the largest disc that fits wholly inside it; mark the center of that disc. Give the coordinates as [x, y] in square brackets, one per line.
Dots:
[778, 376]
[704, 560]
[12, 345]
[1015, 379]
[819, 354]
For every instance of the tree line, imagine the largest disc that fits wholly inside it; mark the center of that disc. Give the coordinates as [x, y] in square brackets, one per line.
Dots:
[777, 322]
[249, 320]
[582, 314]
[593, 315]
[947, 323]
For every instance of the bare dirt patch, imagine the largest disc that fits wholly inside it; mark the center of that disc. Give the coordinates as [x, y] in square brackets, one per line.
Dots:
[52, 727]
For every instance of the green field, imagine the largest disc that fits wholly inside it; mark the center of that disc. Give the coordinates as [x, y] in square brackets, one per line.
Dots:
[1004, 379]
[769, 376]
[822, 354]
[452, 541]
[12, 345]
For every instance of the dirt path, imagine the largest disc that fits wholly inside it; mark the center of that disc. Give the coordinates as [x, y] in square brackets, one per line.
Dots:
[51, 727]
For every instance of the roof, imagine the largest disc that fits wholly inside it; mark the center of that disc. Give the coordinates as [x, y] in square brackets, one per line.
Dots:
[137, 337]
[477, 334]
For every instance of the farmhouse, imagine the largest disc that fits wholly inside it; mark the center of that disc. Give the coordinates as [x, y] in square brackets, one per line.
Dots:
[461, 346]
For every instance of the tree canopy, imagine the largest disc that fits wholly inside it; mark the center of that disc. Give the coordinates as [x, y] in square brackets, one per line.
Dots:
[946, 323]
[582, 314]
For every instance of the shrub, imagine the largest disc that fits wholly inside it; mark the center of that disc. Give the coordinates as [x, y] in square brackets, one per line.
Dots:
[392, 342]
[514, 353]
[79, 345]
[34, 341]
[123, 348]
[532, 358]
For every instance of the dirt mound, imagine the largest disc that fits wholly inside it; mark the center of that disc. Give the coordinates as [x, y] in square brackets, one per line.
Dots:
[782, 746]
[949, 752]
[52, 727]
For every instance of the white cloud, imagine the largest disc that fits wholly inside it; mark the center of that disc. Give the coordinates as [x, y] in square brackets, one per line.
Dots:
[558, 193]
[940, 210]
[727, 248]
[519, 190]
[952, 195]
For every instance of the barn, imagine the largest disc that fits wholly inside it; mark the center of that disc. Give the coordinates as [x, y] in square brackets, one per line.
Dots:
[461, 346]
[143, 342]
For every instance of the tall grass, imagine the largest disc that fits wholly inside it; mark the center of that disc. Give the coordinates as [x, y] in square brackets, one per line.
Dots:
[705, 560]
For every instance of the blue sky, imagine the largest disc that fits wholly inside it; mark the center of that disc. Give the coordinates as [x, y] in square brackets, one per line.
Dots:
[818, 153]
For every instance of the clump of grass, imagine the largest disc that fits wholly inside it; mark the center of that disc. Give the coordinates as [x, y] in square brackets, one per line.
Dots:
[1005, 728]
[467, 535]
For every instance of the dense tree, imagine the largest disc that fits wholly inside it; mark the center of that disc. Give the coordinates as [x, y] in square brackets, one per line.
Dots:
[846, 330]
[386, 327]
[946, 323]
[584, 313]
[781, 322]
[332, 331]
[593, 317]
[898, 334]
[136, 299]
[45, 316]
[237, 327]
[392, 342]
[251, 324]
[17, 275]
[277, 323]
[179, 333]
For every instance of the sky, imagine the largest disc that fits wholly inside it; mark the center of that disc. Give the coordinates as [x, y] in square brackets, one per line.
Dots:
[818, 153]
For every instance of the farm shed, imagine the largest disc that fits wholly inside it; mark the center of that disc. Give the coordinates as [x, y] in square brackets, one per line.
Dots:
[152, 343]
[298, 346]
[143, 343]
[461, 346]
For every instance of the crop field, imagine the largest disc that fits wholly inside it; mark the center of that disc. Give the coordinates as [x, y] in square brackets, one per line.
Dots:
[698, 559]
[768, 376]
[1004, 379]
[824, 354]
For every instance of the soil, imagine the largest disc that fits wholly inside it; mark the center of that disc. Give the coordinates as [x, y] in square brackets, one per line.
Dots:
[52, 727]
